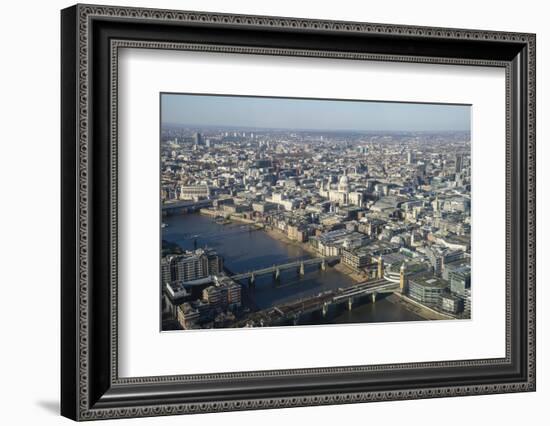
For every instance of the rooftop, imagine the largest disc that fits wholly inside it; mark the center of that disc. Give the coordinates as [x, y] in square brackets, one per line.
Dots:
[429, 281]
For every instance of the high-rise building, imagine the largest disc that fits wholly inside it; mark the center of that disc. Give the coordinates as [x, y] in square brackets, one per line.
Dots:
[460, 280]
[459, 162]
[198, 138]
[191, 266]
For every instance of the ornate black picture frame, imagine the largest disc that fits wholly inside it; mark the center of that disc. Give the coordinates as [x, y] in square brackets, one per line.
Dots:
[91, 387]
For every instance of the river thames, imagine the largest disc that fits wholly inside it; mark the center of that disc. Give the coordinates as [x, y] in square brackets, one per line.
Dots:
[244, 249]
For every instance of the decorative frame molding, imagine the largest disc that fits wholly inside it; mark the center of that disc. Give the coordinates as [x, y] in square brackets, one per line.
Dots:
[91, 388]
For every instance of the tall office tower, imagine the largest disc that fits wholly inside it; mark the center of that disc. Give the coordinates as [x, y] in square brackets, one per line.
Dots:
[459, 162]
[198, 139]
[410, 157]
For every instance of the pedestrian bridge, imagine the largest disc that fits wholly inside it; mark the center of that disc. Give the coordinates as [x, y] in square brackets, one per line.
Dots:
[277, 269]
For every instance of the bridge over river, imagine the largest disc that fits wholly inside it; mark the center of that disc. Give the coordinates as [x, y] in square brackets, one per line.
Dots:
[322, 302]
[299, 265]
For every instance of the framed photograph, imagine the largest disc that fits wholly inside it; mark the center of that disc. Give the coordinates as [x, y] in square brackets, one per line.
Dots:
[263, 212]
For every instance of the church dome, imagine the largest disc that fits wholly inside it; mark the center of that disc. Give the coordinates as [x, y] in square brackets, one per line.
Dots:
[343, 184]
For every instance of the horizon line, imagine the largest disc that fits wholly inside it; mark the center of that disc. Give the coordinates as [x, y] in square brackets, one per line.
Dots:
[214, 126]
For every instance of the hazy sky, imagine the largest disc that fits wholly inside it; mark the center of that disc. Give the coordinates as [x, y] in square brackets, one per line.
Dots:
[288, 113]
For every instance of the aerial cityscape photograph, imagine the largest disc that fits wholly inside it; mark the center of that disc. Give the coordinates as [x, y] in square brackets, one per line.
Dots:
[298, 212]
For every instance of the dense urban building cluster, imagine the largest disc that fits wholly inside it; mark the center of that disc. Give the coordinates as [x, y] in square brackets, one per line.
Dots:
[392, 206]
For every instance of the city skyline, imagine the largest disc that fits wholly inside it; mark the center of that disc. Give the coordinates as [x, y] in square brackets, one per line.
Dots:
[329, 115]
[266, 226]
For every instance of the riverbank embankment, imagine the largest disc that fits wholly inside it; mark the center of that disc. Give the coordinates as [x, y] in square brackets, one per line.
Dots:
[419, 309]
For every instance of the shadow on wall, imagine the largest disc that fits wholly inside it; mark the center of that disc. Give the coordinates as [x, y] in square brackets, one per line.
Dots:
[50, 406]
